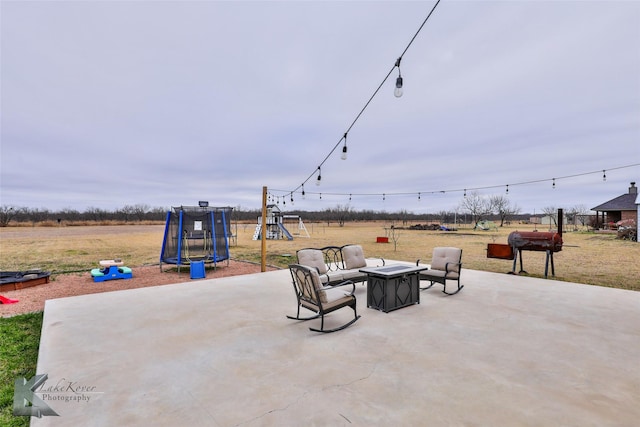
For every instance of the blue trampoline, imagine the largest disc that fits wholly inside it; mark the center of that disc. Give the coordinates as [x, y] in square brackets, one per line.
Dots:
[195, 233]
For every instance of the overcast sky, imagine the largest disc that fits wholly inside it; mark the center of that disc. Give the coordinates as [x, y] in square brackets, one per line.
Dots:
[165, 103]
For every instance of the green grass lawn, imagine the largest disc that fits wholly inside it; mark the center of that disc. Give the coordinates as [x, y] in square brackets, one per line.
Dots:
[19, 342]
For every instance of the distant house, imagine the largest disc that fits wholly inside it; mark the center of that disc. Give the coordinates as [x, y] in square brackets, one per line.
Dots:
[552, 220]
[621, 208]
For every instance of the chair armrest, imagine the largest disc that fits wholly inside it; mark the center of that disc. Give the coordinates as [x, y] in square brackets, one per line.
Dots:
[446, 266]
[418, 264]
[345, 283]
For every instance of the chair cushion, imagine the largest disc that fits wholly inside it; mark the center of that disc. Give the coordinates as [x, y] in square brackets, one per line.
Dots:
[354, 275]
[444, 255]
[439, 273]
[353, 257]
[328, 296]
[312, 258]
[317, 284]
[333, 276]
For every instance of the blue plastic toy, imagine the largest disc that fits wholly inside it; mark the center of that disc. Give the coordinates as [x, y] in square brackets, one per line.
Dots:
[112, 269]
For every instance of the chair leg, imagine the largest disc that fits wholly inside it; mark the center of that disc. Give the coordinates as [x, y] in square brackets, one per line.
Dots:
[453, 293]
[339, 328]
[326, 331]
[303, 318]
[297, 317]
[428, 287]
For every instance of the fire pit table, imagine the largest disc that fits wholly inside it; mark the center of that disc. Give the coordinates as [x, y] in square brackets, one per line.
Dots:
[392, 287]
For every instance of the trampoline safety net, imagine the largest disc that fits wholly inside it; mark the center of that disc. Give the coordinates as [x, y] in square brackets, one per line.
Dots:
[194, 233]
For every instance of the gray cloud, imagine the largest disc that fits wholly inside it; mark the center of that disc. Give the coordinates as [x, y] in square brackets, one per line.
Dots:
[166, 103]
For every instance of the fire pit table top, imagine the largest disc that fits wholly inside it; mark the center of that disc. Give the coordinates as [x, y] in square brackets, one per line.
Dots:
[393, 270]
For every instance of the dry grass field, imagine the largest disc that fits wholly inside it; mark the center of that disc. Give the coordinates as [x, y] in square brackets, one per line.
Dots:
[590, 258]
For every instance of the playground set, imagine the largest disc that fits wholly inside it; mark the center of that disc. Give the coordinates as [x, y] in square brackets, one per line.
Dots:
[195, 234]
[275, 226]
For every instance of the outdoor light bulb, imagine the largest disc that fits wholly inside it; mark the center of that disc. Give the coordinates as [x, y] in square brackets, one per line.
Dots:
[318, 180]
[604, 175]
[398, 90]
[344, 153]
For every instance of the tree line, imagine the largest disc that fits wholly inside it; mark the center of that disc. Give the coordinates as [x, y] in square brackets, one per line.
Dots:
[472, 209]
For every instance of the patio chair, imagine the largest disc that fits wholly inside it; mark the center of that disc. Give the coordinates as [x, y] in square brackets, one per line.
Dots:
[446, 264]
[312, 295]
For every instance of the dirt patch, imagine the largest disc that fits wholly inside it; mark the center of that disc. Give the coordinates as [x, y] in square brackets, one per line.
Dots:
[68, 285]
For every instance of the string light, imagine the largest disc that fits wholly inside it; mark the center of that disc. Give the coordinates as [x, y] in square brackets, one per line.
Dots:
[319, 176]
[303, 196]
[344, 148]
[276, 199]
[397, 92]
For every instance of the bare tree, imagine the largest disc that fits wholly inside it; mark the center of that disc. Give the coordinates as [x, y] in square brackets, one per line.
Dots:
[395, 236]
[445, 216]
[578, 214]
[341, 213]
[96, 214]
[140, 211]
[501, 206]
[68, 214]
[551, 212]
[7, 213]
[159, 213]
[404, 216]
[37, 215]
[478, 206]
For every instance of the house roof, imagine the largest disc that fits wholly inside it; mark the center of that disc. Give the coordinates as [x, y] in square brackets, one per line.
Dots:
[626, 202]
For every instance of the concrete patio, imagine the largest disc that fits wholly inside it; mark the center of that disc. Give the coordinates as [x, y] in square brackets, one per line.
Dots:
[505, 351]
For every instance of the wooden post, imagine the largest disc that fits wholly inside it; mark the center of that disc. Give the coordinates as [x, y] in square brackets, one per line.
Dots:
[263, 232]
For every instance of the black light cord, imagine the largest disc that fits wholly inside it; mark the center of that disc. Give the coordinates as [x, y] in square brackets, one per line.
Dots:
[470, 188]
[397, 64]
